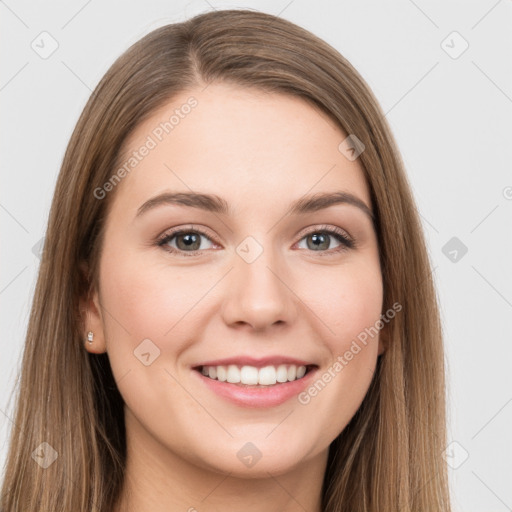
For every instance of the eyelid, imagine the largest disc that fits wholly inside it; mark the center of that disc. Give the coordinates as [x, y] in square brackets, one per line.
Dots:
[326, 227]
[185, 229]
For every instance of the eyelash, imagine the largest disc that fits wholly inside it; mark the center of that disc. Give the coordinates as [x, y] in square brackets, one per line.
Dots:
[346, 242]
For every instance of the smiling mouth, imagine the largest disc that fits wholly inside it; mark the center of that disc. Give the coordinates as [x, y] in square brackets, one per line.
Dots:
[252, 376]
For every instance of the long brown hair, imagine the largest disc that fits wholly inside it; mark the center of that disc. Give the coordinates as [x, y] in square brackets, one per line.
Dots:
[389, 457]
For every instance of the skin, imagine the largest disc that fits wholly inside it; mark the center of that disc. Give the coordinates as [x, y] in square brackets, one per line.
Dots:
[182, 438]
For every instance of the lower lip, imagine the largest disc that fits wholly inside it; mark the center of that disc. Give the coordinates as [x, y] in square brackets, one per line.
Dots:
[252, 396]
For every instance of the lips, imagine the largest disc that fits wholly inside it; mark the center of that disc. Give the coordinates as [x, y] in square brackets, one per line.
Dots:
[256, 382]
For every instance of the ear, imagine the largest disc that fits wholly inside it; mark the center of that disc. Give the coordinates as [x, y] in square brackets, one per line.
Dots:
[92, 319]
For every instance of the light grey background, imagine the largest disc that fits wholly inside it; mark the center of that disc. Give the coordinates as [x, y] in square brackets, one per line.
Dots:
[451, 115]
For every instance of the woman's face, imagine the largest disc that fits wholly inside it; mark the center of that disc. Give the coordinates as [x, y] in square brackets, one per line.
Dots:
[253, 291]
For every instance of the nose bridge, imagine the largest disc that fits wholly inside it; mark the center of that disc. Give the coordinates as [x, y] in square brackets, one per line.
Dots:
[256, 293]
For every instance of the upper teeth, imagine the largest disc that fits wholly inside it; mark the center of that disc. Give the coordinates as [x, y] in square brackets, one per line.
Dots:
[266, 376]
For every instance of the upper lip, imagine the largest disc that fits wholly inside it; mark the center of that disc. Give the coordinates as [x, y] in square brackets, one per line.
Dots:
[258, 362]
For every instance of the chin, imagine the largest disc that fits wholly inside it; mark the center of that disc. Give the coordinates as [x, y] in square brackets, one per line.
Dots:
[257, 456]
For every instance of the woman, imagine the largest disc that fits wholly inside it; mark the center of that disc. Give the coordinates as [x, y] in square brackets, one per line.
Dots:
[235, 305]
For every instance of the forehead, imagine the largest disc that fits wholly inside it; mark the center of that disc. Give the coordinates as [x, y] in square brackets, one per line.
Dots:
[240, 143]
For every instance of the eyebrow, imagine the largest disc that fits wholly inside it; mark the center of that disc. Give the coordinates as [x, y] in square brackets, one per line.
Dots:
[216, 204]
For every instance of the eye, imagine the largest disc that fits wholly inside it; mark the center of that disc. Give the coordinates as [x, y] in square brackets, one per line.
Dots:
[319, 240]
[186, 240]
[189, 240]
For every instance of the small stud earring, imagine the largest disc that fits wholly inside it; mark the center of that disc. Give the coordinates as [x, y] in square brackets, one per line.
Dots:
[90, 336]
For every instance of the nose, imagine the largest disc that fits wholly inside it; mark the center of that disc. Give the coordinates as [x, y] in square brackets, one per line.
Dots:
[257, 294]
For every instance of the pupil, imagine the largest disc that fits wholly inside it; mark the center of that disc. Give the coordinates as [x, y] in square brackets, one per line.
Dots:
[318, 237]
[190, 240]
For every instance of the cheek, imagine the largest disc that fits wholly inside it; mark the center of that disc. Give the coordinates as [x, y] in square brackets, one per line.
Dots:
[143, 300]
[348, 300]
